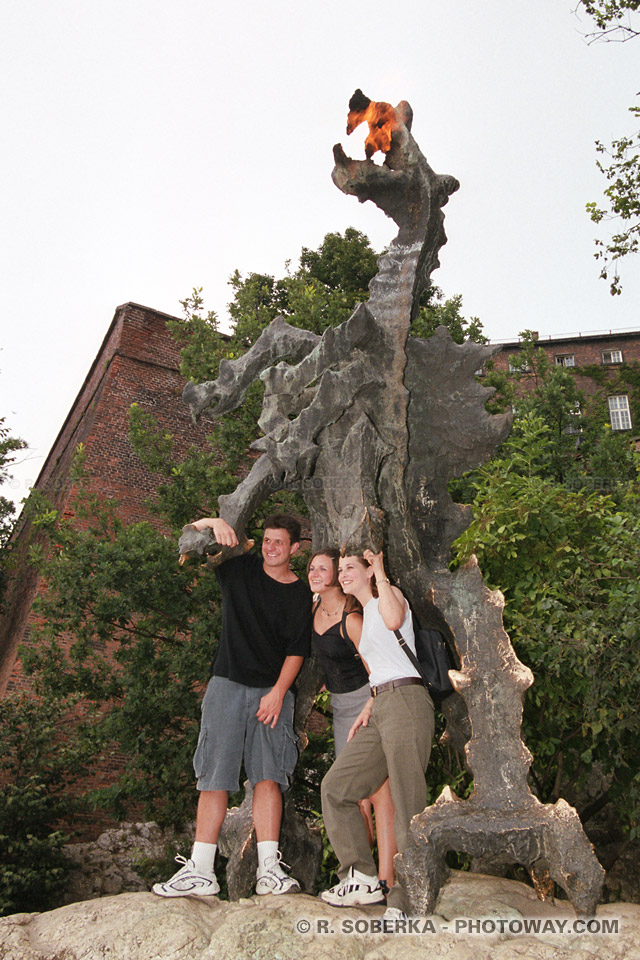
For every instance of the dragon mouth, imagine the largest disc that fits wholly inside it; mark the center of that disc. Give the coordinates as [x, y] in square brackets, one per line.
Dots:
[381, 117]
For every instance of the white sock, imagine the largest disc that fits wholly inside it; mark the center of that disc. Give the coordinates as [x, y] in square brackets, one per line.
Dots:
[203, 855]
[266, 849]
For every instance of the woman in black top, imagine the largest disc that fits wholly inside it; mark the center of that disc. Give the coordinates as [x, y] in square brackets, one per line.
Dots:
[337, 625]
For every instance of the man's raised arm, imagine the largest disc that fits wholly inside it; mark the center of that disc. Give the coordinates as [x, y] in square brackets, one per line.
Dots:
[223, 532]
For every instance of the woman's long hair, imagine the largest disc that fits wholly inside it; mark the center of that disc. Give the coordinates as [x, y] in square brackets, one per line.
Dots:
[352, 605]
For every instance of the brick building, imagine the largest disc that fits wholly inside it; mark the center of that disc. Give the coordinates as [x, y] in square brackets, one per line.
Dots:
[606, 366]
[137, 362]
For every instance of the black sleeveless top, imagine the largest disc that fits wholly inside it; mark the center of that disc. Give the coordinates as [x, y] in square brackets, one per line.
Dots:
[343, 669]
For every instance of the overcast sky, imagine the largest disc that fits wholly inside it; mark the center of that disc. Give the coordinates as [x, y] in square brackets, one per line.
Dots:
[151, 146]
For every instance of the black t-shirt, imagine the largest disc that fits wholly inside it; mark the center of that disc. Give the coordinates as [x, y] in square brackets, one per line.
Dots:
[263, 621]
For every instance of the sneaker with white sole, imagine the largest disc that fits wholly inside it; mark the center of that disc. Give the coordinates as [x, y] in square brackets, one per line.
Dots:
[273, 879]
[188, 882]
[394, 920]
[354, 890]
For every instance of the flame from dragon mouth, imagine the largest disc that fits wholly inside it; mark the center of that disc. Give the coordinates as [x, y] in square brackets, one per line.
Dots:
[381, 118]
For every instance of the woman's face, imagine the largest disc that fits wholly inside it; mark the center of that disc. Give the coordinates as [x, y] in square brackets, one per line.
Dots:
[321, 573]
[353, 574]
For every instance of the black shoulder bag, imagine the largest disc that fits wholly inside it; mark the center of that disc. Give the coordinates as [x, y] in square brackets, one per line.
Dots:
[433, 661]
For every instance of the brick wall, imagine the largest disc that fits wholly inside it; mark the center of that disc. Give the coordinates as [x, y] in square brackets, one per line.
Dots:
[137, 362]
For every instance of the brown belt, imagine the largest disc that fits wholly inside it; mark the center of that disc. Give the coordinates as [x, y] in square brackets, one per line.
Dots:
[391, 684]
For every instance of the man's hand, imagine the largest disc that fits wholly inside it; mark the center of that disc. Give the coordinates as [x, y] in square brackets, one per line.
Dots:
[223, 532]
[362, 720]
[270, 707]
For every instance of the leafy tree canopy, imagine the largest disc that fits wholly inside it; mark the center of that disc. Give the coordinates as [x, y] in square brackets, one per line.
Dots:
[621, 169]
[566, 561]
[620, 163]
[9, 445]
[437, 311]
[612, 17]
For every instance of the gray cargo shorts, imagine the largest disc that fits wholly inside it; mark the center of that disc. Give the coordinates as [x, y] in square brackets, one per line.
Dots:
[230, 733]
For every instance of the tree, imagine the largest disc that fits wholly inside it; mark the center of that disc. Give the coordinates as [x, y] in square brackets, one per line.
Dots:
[621, 163]
[8, 447]
[41, 760]
[435, 311]
[567, 563]
[622, 171]
[612, 18]
[128, 634]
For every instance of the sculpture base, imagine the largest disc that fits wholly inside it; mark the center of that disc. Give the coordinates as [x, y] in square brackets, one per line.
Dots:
[547, 839]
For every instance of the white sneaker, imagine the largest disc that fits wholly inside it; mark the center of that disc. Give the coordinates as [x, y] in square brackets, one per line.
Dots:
[394, 920]
[188, 882]
[355, 889]
[273, 879]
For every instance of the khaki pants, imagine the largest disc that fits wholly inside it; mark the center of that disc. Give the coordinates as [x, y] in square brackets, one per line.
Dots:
[395, 744]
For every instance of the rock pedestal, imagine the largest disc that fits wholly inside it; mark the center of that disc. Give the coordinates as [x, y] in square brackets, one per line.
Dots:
[501, 823]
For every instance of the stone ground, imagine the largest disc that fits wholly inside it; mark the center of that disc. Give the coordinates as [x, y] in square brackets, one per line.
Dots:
[140, 926]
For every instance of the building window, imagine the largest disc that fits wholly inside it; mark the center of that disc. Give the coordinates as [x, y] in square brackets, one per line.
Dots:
[619, 413]
[565, 359]
[611, 356]
[575, 422]
[518, 366]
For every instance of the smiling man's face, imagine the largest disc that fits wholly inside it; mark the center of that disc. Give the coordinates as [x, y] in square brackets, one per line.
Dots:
[277, 548]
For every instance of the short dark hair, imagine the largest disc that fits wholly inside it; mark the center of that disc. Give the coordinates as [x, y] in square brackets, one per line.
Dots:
[282, 521]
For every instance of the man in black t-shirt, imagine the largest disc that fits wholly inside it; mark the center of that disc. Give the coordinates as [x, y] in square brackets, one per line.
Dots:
[247, 711]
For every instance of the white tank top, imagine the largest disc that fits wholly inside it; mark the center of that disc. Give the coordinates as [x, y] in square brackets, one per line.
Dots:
[380, 649]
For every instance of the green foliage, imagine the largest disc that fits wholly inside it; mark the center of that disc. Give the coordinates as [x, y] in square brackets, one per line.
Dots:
[551, 392]
[127, 630]
[42, 755]
[200, 341]
[614, 20]
[342, 263]
[567, 564]
[435, 311]
[612, 17]
[504, 397]
[322, 292]
[8, 448]
[621, 169]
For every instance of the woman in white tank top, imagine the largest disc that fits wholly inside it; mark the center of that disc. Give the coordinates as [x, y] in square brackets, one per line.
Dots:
[390, 738]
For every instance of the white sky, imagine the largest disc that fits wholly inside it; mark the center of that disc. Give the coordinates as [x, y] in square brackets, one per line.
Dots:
[151, 146]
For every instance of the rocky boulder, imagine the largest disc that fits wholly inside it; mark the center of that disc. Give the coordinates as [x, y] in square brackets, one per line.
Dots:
[478, 918]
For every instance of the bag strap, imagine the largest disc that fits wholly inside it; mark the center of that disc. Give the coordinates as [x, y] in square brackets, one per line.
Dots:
[411, 655]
